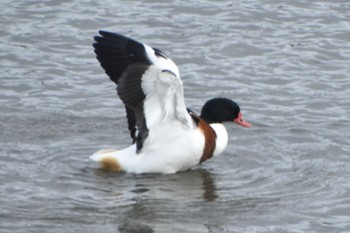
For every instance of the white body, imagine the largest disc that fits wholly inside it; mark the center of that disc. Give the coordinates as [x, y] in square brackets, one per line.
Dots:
[165, 152]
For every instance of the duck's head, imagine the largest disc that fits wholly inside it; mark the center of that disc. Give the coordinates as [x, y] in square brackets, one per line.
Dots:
[220, 110]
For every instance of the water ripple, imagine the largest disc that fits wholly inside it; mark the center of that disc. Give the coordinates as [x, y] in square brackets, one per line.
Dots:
[286, 63]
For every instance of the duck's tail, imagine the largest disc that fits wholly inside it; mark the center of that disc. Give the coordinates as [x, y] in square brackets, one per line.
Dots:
[108, 159]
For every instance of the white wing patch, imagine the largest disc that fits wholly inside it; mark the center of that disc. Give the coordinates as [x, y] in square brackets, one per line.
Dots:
[164, 98]
[160, 62]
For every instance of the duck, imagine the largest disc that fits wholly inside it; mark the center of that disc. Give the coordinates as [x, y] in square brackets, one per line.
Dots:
[167, 137]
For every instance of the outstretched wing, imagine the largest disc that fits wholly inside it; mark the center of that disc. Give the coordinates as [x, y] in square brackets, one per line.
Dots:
[148, 83]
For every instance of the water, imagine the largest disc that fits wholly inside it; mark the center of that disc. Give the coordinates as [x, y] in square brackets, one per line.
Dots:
[285, 62]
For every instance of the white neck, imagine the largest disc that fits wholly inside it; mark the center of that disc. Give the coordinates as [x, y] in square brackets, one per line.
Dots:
[221, 138]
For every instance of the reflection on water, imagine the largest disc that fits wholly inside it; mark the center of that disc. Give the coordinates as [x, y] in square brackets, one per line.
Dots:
[152, 195]
[186, 198]
[197, 184]
[286, 63]
[209, 188]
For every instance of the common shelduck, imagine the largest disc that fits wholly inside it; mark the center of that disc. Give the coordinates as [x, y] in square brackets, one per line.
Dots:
[167, 137]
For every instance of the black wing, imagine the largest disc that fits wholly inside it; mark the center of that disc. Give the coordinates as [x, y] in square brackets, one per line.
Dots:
[124, 61]
[140, 71]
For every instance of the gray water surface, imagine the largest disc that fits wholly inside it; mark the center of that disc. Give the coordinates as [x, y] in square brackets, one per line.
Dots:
[285, 62]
